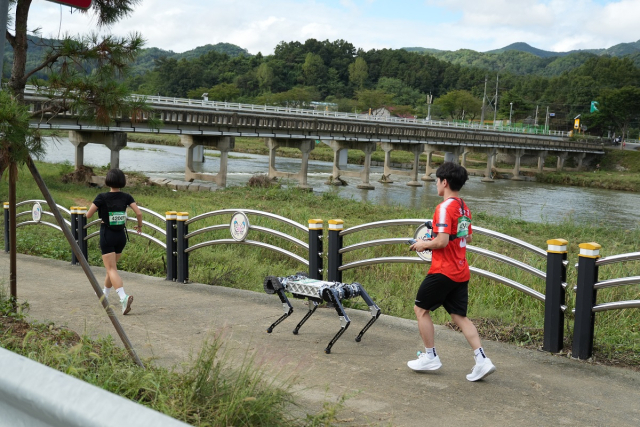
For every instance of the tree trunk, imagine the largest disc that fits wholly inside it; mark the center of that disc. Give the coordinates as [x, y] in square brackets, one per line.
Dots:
[17, 81]
[13, 177]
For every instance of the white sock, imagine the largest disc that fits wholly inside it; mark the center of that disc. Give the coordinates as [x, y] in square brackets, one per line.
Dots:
[430, 352]
[121, 293]
[479, 355]
[106, 291]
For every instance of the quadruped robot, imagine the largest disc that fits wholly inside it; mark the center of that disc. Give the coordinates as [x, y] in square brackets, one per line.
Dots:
[318, 291]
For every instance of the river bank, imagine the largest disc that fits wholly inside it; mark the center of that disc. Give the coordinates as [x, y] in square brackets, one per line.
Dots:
[619, 169]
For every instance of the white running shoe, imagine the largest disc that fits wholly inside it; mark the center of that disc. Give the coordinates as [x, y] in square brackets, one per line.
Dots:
[481, 371]
[424, 363]
[126, 303]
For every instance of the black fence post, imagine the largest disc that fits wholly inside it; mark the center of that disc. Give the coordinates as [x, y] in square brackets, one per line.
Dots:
[172, 246]
[181, 245]
[335, 244]
[7, 246]
[554, 300]
[74, 231]
[82, 231]
[315, 249]
[585, 300]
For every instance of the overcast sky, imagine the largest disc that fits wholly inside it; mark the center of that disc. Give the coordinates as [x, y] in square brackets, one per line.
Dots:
[259, 25]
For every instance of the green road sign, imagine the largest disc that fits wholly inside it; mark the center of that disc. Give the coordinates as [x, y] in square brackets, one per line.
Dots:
[594, 106]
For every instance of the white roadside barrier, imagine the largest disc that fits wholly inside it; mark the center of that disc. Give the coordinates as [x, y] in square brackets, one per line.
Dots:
[34, 395]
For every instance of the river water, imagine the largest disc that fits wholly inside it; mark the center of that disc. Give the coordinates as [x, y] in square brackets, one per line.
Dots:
[529, 201]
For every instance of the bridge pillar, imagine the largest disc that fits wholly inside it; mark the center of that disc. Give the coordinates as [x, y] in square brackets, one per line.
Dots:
[416, 149]
[561, 159]
[463, 161]
[304, 145]
[580, 158]
[491, 155]
[428, 150]
[115, 141]
[518, 153]
[454, 155]
[340, 151]
[541, 156]
[79, 153]
[222, 143]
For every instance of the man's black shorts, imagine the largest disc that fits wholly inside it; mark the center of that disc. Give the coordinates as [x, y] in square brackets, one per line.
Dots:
[438, 290]
[112, 241]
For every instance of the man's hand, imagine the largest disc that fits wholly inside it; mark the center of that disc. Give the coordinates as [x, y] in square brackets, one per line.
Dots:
[419, 246]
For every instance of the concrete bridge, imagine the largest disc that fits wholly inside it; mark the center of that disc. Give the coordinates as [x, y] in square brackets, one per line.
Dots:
[216, 124]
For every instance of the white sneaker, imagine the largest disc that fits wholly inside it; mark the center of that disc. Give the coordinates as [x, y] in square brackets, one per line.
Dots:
[481, 371]
[424, 363]
[126, 303]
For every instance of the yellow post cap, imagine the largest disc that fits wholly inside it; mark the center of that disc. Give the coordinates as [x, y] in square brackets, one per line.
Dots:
[557, 246]
[183, 216]
[590, 250]
[336, 224]
[171, 214]
[316, 224]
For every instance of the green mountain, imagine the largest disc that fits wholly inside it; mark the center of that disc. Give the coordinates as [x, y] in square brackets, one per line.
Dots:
[523, 47]
[145, 61]
[521, 58]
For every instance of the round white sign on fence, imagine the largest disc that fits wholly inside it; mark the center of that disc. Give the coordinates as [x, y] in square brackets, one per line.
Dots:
[423, 233]
[36, 212]
[239, 226]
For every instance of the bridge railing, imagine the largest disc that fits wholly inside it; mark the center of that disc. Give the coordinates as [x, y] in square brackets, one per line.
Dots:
[587, 288]
[239, 227]
[554, 277]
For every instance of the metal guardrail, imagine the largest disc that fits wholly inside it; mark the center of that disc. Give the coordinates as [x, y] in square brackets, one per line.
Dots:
[32, 394]
[239, 237]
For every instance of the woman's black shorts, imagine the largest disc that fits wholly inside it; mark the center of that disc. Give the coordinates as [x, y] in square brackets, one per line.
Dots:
[112, 241]
[438, 290]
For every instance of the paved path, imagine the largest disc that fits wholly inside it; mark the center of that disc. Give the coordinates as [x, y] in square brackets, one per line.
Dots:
[169, 321]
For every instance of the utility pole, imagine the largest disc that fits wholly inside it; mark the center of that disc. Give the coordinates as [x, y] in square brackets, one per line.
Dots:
[546, 121]
[484, 96]
[4, 12]
[495, 106]
[429, 101]
[536, 120]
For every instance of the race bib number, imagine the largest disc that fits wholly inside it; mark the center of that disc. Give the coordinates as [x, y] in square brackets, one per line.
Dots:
[463, 226]
[117, 218]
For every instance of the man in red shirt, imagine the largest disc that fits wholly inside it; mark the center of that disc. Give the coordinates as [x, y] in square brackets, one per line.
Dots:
[447, 282]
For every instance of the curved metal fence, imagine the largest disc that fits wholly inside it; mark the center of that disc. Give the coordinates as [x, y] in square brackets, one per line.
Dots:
[239, 227]
[472, 249]
[587, 288]
[555, 276]
[179, 242]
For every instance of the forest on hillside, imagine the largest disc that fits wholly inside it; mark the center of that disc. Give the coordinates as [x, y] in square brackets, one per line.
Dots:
[604, 90]
[351, 79]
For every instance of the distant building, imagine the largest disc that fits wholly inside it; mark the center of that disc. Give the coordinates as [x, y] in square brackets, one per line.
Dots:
[328, 106]
[391, 112]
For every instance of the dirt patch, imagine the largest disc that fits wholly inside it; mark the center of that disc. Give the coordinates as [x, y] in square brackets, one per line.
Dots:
[136, 179]
[82, 175]
[17, 329]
